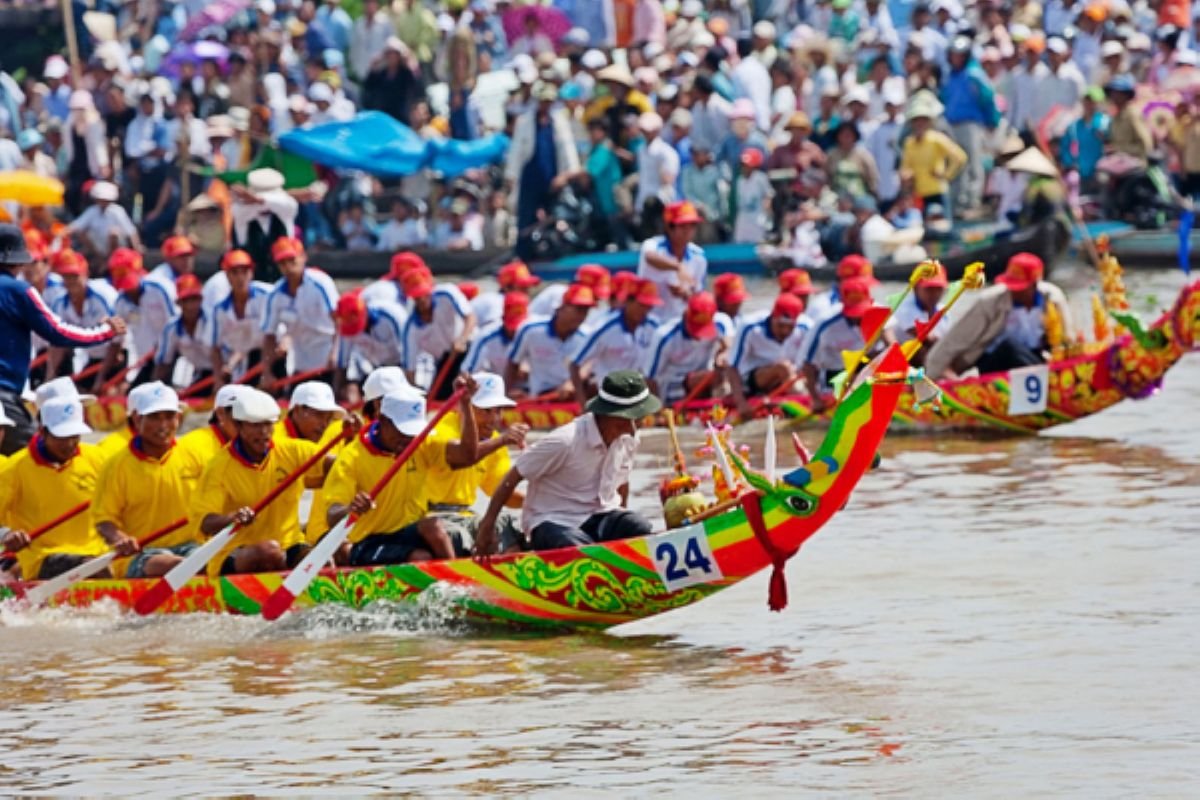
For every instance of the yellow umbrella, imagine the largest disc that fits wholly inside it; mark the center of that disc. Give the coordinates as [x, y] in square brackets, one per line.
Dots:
[30, 189]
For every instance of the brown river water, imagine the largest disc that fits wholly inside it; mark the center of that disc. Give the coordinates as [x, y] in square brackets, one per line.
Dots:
[987, 618]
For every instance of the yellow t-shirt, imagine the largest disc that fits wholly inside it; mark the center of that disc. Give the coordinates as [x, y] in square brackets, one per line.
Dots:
[204, 442]
[402, 502]
[933, 161]
[459, 487]
[34, 491]
[315, 528]
[230, 482]
[115, 442]
[141, 495]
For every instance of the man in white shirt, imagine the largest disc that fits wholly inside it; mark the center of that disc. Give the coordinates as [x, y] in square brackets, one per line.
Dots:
[672, 262]
[104, 226]
[368, 38]
[918, 306]
[369, 336]
[145, 305]
[545, 346]
[1065, 85]
[389, 288]
[882, 141]
[440, 325]
[179, 259]
[300, 308]
[658, 164]
[751, 79]
[768, 349]
[841, 330]
[579, 474]
[619, 342]
[1028, 81]
[685, 352]
[405, 229]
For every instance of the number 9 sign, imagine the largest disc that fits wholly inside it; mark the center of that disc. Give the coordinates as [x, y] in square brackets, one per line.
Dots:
[1027, 389]
[683, 558]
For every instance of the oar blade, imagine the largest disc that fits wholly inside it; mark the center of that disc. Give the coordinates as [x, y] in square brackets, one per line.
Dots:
[46, 590]
[873, 320]
[305, 572]
[182, 572]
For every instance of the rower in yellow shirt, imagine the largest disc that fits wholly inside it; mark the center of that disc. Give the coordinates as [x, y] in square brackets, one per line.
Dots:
[118, 440]
[52, 474]
[206, 442]
[930, 159]
[310, 411]
[147, 486]
[452, 492]
[240, 475]
[395, 528]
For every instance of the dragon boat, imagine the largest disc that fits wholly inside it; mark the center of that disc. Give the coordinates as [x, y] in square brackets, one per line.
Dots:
[763, 524]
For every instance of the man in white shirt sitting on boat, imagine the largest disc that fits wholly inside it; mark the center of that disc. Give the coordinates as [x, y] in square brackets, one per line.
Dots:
[369, 336]
[300, 306]
[686, 352]
[673, 262]
[512, 277]
[544, 347]
[620, 341]
[839, 331]
[489, 349]
[579, 474]
[390, 287]
[768, 349]
[236, 319]
[918, 306]
[440, 326]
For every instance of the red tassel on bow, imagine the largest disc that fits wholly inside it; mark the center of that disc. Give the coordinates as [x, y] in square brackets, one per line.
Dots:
[777, 597]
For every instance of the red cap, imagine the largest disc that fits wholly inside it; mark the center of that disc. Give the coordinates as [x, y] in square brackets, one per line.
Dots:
[123, 260]
[788, 305]
[351, 313]
[1024, 270]
[699, 316]
[126, 280]
[624, 284]
[470, 289]
[236, 258]
[188, 286]
[516, 275]
[516, 309]
[856, 297]
[646, 294]
[796, 281]
[597, 279]
[940, 279]
[854, 266]
[730, 287]
[403, 262]
[752, 157]
[579, 294]
[68, 262]
[682, 213]
[286, 247]
[178, 246]
[417, 282]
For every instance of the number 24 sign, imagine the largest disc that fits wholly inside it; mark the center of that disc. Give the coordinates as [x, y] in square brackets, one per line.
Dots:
[683, 558]
[1027, 389]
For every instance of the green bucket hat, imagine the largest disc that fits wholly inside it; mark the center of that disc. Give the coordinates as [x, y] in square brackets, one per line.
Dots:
[624, 394]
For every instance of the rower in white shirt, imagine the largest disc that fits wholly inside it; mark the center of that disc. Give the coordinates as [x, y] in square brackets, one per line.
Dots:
[685, 352]
[544, 346]
[851, 267]
[593, 276]
[144, 303]
[179, 259]
[675, 264]
[489, 349]
[86, 304]
[440, 325]
[919, 305]
[186, 336]
[236, 321]
[489, 306]
[389, 288]
[729, 290]
[369, 336]
[840, 331]
[620, 341]
[768, 349]
[300, 307]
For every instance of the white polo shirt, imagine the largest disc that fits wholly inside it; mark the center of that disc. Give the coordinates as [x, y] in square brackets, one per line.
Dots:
[381, 344]
[566, 470]
[235, 334]
[826, 341]
[217, 289]
[176, 342]
[674, 354]
[384, 290]
[906, 316]
[694, 261]
[166, 276]
[489, 350]
[547, 301]
[545, 353]
[306, 316]
[611, 346]
[147, 317]
[100, 301]
[436, 337]
[756, 347]
[488, 308]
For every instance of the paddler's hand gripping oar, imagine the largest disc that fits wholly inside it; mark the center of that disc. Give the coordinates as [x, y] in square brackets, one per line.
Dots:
[306, 571]
[41, 530]
[47, 589]
[170, 583]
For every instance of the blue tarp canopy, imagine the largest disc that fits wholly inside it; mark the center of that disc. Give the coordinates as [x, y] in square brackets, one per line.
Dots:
[376, 143]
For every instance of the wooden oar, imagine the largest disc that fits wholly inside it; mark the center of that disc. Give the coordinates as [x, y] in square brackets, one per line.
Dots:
[170, 583]
[47, 589]
[696, 391]
[299, 377]
[87, 371]
[134, 367]
[41, 359]
[41, 530]
[304, 573]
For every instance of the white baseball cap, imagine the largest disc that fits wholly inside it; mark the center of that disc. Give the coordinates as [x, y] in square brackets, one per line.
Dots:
[150, 398]
[228, 394]
[255, 406]
[56, 67]
[490, 392]
[60, 387]
[104, 190]
[315, 395]
[406, 411]
[387, 380]
[63, 417]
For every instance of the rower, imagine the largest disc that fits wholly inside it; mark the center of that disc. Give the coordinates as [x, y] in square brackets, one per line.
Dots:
[579, 474]
[796, 281]
[311, 409]
[543, 347]
[673, 262]
[440, 326]
[179, 259]
[685, 352]
[453, 491]
[624, 284]
[768, 350]
[622, 339]
[918, 306]
[729, 290]
[369, 336]
[851, 267]
[206, 442]
[839, 331]
[146, 486]
[390, 288]
[236, 320]
[593, 276]
[395, 527]
[301, 303]
[243, 473]
[85, 304]
[489, 350]
[381, 382]
[513, 277]
[144, 303]
[1007, 324]
[53, 473]
[186, 336]
[119, 439]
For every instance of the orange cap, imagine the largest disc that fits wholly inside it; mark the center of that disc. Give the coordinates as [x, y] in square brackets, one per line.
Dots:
[1036, 43]
[470, 289]
[236, 258]
[682, 212]
[417, 282]
[402, 262]
[730, 287]
[579, 294]
[699, 318]
[178, 246]
[286, 247]
[796, 281]
[188, 286]
[856, 297]
[36, 244]
[351, 313]
[752, 157]
[939, 279]
[1023, 270]
[624, 284]
[68, 262]
[856, 266]
[646, 294]
[123, 260]
[516, 275]
[597, 278]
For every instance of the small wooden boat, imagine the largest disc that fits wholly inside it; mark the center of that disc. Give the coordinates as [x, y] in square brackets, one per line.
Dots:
[1144, 249]
[601, 585]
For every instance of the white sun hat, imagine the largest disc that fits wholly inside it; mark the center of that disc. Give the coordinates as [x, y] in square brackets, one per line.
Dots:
[406, 411]
[60, 387]
[151, 398]
[228, 394]
[63, 417]
[315, 395]
[490, 392]
[387, 380]
[255, 406]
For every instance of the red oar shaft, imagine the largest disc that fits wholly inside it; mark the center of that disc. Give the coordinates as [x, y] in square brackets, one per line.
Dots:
[443, 373]
[134, 367]
[696, 391]
[54, 523]
[299, 377]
